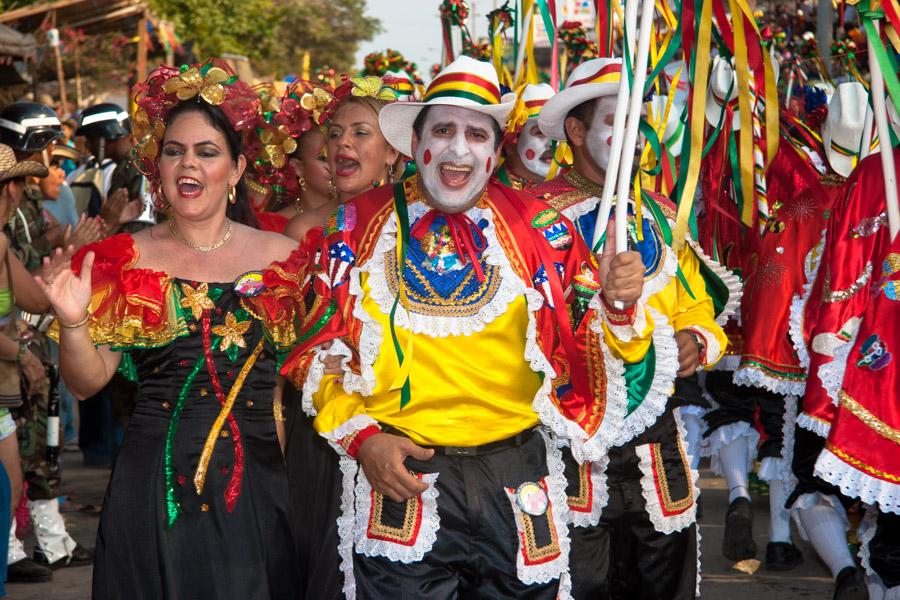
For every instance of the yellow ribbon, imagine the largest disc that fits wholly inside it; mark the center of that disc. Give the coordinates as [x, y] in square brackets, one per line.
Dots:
[698, 117]
[742, 71]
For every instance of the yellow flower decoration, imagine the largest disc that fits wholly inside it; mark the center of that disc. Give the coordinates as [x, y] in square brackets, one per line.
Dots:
[196, 299]
[316, 102]
[373, 87]
[519, 113]
[277, 145]
[148, 133]
[269, 101]
[193, 81]
[232, 332]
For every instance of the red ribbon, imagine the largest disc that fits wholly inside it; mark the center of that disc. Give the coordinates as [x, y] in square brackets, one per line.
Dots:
[466, 235]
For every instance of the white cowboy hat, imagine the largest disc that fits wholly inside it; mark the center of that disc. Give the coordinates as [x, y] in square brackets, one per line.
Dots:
[721, 80]
[466, 82]
[589, 80]
[843, 130]
[528, 104]
[673, 135]
[682, 88]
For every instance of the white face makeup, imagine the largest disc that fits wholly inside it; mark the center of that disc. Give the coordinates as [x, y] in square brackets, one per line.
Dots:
[534, 149]
[599, 135]
[455, 156]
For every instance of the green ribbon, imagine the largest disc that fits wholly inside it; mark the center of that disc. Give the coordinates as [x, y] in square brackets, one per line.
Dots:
[402, 212]
[639, 377]
[886, 60]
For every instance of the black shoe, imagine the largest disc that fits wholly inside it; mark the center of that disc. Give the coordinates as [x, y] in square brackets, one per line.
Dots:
[737, 543]
[27, 571]
[782, 556]
[850, 585]
[80, 556]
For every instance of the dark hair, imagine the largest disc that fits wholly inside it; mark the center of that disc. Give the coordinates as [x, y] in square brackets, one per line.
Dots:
[419, 124]
[584, 112]
[240, 211]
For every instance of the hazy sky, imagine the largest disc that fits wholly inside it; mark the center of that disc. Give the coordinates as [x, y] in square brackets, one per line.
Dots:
[413, 28]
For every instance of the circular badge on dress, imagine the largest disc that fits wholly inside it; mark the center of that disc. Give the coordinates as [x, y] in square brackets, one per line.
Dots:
[250, 284]
[532, 499]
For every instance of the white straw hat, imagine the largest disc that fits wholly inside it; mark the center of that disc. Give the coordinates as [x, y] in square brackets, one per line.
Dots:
[589, 80]
[466, 82]
[721, 80]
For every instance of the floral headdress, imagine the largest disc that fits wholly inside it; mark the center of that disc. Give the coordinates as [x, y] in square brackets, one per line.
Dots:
[281, 122]
[212, 82]
[369, 85]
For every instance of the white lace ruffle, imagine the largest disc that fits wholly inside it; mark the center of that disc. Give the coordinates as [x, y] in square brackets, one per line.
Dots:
[857, 484]
[810, 423]
[779, 468]
[699, 563]
[354, 423]
[723, 436]
[345, 523]
[713, 348]
[664, 277]
[832, 373]
[649, 487]
[749, 375]
[654, 403]
[579, 209]
[867, 528]
[510, 287]
[599, 495]
[397, 552]
[555, 482]
[731, 281]
[317, 372]
[798, 303]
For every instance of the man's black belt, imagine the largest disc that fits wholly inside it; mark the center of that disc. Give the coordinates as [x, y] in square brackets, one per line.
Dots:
[511, 442]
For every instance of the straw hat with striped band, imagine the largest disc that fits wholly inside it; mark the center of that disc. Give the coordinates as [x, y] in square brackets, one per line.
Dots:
[402, 84]
[843, 129]
[466, 83]
[589, 80]
[10, 168]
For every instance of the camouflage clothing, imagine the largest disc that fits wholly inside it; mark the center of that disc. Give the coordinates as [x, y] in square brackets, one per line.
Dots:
[28, 229]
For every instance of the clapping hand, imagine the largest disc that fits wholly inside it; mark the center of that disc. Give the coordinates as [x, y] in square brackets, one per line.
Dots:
[87, 231]
[69, 294]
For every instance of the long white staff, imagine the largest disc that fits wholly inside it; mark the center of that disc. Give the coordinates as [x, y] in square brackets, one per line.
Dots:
[631, 128]
[884, 134]
[615, 153]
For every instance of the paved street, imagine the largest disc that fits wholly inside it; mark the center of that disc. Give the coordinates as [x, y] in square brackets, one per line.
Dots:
[720, 581]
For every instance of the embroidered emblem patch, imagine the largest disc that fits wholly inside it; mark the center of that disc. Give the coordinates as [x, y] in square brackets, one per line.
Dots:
[874, 353]
[532, 499]
[340, 259]
[250, 284]
[558, 236]
[342, 219]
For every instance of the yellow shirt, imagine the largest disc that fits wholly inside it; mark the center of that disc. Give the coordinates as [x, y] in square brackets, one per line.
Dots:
[457, 397]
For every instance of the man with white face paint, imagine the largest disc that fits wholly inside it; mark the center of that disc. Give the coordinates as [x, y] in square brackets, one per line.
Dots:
[528, 152]
[466, 363]
[644, 494]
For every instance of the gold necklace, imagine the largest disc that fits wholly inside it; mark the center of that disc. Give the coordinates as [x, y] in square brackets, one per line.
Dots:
[215, 246]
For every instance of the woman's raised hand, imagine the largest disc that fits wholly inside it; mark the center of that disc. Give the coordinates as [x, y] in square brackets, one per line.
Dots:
[69, 294]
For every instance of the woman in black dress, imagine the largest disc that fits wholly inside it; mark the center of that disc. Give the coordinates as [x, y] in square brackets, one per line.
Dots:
[197, 311]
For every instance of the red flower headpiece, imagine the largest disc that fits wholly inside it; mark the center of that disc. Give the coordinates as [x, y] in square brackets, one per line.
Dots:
[212, 82]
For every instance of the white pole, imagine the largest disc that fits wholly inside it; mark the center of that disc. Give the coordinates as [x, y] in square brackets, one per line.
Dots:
[866, 142]
[526, 27]
[884, 135]
[631, 127]
[615, 153]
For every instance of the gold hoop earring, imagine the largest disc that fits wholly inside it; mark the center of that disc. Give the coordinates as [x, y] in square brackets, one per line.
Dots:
[332, 188]
[232, 196]
[298, 203]
[162, 203]
[302, 181]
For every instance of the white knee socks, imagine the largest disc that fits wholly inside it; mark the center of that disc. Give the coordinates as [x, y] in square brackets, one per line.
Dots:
[828, 536]
[779, 517]
[733, 461]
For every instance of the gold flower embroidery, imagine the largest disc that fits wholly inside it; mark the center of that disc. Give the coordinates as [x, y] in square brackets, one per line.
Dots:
[232, 332]
[195, 81]
[196, 299]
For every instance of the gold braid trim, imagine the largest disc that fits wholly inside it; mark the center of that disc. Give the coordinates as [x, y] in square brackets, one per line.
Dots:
[871, 421]
[861, 465]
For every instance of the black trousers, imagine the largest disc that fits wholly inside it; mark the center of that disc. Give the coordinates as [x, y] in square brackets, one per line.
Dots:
[884, 549]
[625, 557]
[474, 554]
[739, 404]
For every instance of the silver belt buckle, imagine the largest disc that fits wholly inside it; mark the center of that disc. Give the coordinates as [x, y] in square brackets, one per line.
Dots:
[460, 451]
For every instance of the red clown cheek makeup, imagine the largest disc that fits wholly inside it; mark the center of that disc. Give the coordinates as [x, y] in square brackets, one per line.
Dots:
[426, 158]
